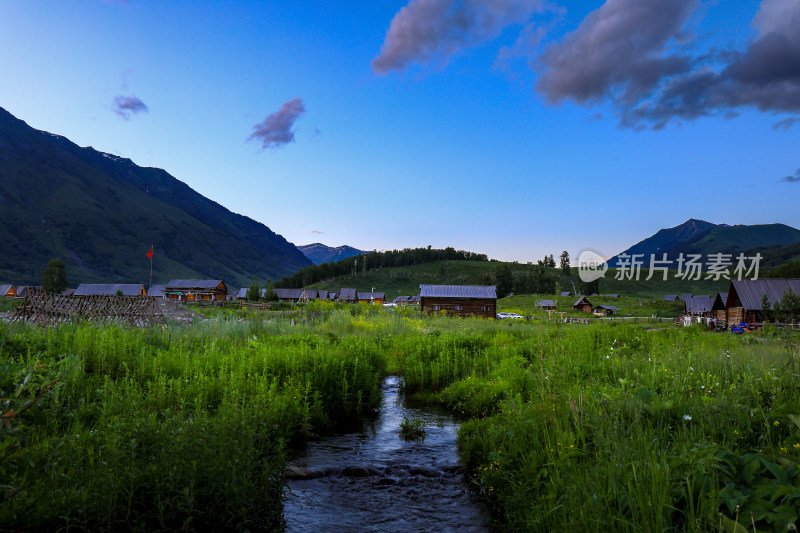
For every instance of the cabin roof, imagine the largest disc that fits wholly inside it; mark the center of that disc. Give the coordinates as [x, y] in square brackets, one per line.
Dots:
[546, 303]
[401, 299]
[101, 289]
[285, 294]
[348, 294]
[699, 304]
[582, 299]
[751, 291]
[194, 284]
[458, 291]
[371, 295]
[156, 290]
[4, 288]
[671, 297]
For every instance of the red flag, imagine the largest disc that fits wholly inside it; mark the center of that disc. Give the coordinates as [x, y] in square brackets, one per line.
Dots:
[150, 253]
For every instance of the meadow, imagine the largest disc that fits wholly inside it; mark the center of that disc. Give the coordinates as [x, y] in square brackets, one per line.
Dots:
[605, 426]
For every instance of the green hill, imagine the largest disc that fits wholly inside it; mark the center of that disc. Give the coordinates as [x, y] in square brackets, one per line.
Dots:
[101, 213]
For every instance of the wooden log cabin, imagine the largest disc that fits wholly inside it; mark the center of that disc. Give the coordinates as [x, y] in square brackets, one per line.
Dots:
[348, 296]
[583, 305]
[196, 290]
[372, 297]
[7, 291]
[459, 300]
[745, 297]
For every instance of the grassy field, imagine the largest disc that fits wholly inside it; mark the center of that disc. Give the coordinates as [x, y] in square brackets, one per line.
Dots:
[629, 306]
[600, 427]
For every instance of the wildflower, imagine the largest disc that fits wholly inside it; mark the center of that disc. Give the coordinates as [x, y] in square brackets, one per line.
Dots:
[776, 423]
[687, 417]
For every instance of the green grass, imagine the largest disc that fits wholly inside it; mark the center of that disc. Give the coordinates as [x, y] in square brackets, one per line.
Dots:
[595, 427]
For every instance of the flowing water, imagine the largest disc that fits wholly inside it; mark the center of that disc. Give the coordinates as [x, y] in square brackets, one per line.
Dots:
[373, 480]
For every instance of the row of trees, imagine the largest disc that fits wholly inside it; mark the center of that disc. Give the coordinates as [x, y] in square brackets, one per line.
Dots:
[374, 261]
[787, 308]
[536, 279]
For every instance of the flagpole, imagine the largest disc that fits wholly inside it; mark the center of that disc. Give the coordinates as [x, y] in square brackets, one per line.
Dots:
[151, 266]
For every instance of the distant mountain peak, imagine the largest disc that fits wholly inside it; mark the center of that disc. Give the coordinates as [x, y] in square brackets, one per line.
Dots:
[320, 253]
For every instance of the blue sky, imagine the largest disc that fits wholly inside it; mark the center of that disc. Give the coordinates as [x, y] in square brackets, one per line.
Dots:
[402, 124]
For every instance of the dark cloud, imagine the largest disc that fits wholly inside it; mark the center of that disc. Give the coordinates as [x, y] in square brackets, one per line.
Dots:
[792, 179]
[125, 106]
[276, 130]
[764, 76]
[619, 51]
[429, 30]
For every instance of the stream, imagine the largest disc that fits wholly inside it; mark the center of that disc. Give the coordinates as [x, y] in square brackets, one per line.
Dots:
[373, 480]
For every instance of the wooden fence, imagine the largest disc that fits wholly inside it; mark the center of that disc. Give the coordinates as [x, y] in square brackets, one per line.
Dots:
[44, 308]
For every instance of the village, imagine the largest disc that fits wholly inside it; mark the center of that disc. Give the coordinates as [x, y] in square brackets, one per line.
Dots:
[746, 304]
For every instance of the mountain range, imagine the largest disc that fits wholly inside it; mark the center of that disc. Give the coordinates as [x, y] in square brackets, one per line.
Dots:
[705, 238]
[100, 213]
[319, 253]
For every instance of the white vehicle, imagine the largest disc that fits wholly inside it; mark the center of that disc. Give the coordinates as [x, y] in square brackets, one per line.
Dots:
[502, 315]
[515, 315]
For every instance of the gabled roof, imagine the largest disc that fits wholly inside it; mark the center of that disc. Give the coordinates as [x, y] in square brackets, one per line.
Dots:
[686, 297]
[414, 298]
[242, 293]
[308, 294]
[323, 295]
[21, 290]
[401, 299]
[109, 289]
[289, 294]
[607, 307]
[371, 295]
[194, 284]
[332, 295]
[671, 297]
[458, 291]
[157, 290]
[5, 288]
[699, 304]
[751, 291]
[566, 293]
[68, 292]
[348, 294]
[719, 301]
[582, 300]
[546, 303]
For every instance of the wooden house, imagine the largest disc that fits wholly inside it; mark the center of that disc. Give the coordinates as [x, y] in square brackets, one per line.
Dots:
[196, 290]
[414, 300]
[605, 310]
[289, 296]
[546, 305]
[745, 297]
[372, 297]
[109, 289]
[699, 306]
[401, 300]
[459, 300]
[348, 296]
[7, 291]
[583, 305]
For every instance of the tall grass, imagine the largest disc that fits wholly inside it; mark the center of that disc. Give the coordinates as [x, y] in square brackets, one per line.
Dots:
[593, 427]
